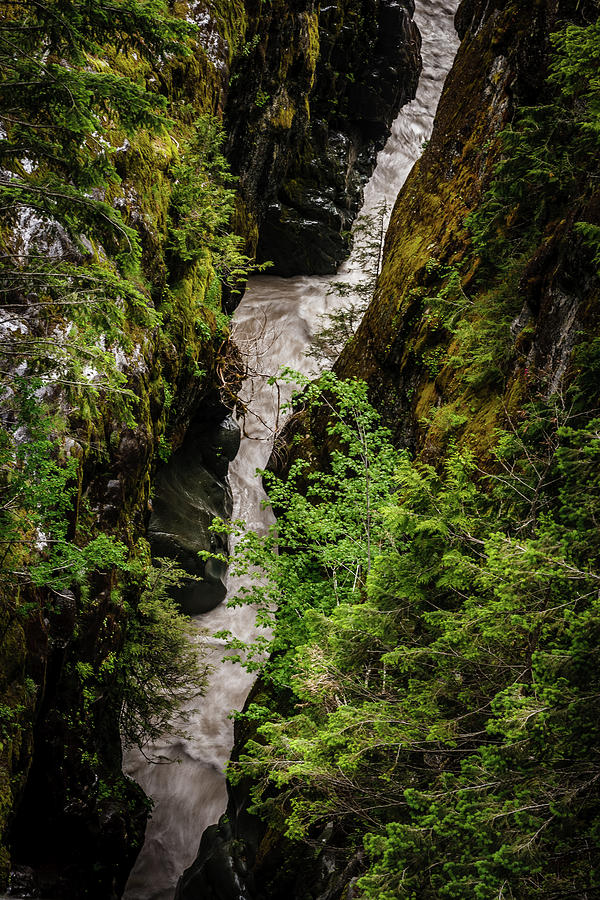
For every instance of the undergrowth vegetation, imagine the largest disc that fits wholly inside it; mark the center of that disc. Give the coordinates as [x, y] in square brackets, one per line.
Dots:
[433, 672]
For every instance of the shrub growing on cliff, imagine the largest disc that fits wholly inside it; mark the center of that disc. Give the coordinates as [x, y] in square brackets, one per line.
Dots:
[77, 105]
[550, 154]
[448, 708]
[38, 484]
[202, 204]
[44, 545]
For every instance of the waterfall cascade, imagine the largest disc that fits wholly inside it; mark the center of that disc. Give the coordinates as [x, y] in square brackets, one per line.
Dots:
[273, 326]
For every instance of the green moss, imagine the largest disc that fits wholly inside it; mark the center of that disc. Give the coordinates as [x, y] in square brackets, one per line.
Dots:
[233, 21]
[283, 112]
[313, 44]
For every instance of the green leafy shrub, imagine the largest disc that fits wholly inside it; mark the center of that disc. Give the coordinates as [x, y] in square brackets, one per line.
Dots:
[38, 484]
[321, 550]
[447, 705]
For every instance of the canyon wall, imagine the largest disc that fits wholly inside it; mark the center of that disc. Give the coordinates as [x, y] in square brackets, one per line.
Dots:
[313, 97]
[456, 340]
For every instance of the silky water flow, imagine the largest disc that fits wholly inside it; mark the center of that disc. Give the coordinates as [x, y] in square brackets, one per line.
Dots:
[273, 326]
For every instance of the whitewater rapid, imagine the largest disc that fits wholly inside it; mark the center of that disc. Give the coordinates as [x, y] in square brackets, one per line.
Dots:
[273, 326]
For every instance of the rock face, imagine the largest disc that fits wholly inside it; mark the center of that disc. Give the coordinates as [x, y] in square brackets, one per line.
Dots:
[191, 491]
[410, 354]
[226, 867]
[314, 94]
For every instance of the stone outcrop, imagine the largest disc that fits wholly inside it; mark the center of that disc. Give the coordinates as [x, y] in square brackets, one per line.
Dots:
[190, 491]
[314, 92]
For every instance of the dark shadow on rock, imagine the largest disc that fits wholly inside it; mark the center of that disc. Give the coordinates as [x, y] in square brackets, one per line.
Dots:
[190, 491]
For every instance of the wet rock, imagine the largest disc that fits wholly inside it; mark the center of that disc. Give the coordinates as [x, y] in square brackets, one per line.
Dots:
[353, 106]
[221, 869]
[23, 883]
[191, 491]
[241, 858]
[310, 107]
[133, 450]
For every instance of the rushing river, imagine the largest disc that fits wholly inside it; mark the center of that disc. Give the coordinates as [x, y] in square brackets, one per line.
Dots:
[273, 326]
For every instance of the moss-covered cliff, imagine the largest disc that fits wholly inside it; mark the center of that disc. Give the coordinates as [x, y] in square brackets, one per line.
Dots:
[456, 340]
[67, 811]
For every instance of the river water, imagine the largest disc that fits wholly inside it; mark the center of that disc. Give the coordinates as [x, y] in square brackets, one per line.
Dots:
[273, 326]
